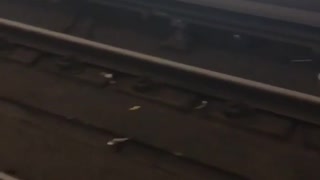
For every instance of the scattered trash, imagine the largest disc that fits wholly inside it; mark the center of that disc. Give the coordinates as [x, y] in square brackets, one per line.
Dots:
[116, 141]
[107, 75]
[319, 76]
[134, 108]
[202, 105]
[301, 60]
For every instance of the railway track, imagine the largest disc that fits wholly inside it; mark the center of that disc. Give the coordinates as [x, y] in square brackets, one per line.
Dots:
[94, 103]
[76, 107]
[230, 52]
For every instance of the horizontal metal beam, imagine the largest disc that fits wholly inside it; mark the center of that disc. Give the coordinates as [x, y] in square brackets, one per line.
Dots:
[163, 62]
[194, 78]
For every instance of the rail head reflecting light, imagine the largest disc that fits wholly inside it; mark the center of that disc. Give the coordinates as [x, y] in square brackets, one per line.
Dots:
[161, 61]
[4, 176]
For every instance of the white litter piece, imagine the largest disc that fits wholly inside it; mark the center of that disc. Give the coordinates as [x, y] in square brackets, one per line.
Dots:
[117, 141]
[202, 105]
[107, 75]
[134, 108]
[4, 176]
[319, 76]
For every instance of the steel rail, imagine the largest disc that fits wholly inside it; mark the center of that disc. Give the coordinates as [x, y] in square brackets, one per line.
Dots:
[282, 101]
[165, 62]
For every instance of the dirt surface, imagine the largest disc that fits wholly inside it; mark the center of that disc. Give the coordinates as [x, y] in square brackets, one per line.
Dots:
[58, 127]
[41, 136]
[41, 144]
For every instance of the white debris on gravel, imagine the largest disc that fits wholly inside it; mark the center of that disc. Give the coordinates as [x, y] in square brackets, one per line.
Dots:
[202, 105]
[107, 75]
[134, 108]
[115, 141]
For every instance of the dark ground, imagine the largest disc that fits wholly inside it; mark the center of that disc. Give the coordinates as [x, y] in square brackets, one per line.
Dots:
[54, 127]
[38, 141]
